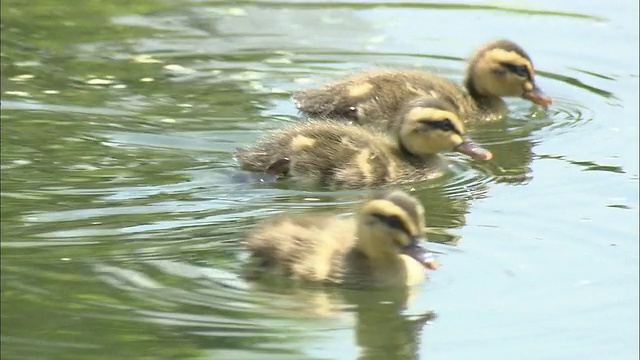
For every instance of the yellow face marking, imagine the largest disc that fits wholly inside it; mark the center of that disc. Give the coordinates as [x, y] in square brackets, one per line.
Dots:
[300, 142]
[359, 89]
[490, 84]
[501, 55]
[418, 114]
[388, 208]
[378, 241]
[424, 143]
[528, 86]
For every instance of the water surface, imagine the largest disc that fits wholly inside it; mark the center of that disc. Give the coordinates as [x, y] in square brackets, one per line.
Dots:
[121, 216]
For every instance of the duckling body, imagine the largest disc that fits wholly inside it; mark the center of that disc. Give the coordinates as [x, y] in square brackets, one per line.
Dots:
[373, 98]
[379, 246]
[339, 154]
[497, 69]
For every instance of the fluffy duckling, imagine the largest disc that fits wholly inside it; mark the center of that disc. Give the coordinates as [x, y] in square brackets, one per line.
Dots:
[378, 247]
[340, 154]
[497, 69]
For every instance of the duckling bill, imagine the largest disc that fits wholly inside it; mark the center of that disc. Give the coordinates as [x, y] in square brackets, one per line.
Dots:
[343, 155]
[420, 254]
[497, 69]
[378, 247]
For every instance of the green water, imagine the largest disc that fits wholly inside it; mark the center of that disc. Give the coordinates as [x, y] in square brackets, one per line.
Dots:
[122, 210]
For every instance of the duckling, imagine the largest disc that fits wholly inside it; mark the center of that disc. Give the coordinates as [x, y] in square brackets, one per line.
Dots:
[378, 247]
[497, 69]
[343, 155]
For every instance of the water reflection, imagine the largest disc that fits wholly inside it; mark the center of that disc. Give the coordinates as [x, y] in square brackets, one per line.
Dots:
[512, 145]
[383, 329]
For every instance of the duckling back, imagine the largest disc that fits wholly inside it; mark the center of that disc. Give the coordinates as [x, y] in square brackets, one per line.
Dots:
[334, 153]
[311, 248]
[374, 98]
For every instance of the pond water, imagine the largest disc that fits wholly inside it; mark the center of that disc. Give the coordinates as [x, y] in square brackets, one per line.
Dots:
[122, 213]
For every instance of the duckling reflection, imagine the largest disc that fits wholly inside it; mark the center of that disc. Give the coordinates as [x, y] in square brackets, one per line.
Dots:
[338, 154]
[449, 204]
[383, 329]
[497, 69]
[382, 325]
[512, 142]
[379, 247]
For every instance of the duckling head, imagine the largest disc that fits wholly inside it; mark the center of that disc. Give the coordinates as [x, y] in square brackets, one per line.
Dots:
[429, 126]
[391, 224]
[502, 68]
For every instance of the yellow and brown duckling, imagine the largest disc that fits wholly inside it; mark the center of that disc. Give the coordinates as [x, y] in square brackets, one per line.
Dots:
[497, 69]
[378, 247]
[339, 154]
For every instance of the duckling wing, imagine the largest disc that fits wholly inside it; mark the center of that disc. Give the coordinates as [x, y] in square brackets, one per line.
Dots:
[375, 97]
[305, 247]
[327, 152]
[272, 150]
[326, 102]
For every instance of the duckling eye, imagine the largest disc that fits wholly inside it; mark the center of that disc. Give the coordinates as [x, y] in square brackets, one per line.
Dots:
[520, 70]
[391, 221]
[444, 125]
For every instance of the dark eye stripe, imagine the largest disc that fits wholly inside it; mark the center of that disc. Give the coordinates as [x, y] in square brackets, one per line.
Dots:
[445, 125]
[393, 222]
[520, 70]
